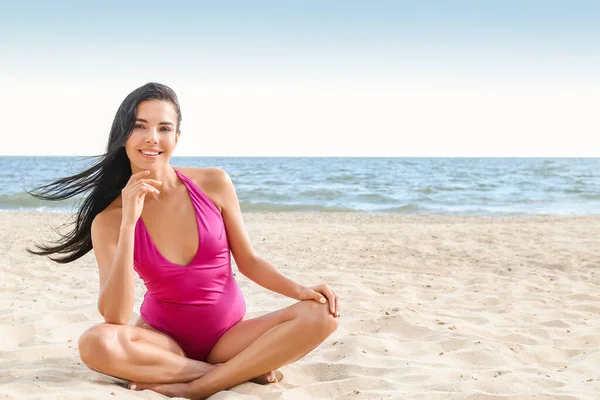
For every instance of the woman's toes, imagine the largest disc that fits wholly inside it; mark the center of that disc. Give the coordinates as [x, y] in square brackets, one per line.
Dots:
[141, 386]
[278, 376]
[269, 377]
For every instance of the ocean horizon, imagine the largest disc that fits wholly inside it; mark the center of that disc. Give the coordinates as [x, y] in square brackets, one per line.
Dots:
[381, 185]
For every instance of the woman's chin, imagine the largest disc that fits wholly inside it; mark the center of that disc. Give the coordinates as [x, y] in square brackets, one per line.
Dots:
[148, 163]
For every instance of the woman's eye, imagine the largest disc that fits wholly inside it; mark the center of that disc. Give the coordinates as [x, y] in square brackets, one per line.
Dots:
[138, 126]
[165, 129]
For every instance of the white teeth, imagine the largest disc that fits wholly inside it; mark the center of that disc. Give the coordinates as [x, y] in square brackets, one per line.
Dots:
[148, 153]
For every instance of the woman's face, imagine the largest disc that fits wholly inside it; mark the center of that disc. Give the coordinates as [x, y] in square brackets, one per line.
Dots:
[154, 136]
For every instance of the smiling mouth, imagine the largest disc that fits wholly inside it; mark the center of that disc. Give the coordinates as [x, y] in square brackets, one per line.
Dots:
[150, 153]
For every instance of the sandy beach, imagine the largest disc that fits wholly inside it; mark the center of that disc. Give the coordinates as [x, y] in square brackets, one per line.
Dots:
[434, 307]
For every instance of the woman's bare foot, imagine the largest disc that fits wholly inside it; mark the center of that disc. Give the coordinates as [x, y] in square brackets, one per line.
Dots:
[181, 389]
[269, 377]
[168, 389]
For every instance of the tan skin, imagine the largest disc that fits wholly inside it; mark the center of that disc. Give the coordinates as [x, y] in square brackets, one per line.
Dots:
[254, 348]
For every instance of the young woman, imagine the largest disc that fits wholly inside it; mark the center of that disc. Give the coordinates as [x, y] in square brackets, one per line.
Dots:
[176, 228]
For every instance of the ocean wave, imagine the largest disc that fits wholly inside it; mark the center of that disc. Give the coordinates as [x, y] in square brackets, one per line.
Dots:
[411, 208]
[278, 207]
[24, 201]
[590, 196]
[376, 198]
[263, 194]
[436, 189]
[322, 193]
[343, 179]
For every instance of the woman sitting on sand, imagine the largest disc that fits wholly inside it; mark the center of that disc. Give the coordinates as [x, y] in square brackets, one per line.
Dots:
[176, 227]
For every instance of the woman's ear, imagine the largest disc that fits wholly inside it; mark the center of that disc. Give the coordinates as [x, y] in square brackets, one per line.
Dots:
[177, 136]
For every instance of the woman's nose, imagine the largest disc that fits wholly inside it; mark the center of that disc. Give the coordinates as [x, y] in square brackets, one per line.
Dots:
[151, 136]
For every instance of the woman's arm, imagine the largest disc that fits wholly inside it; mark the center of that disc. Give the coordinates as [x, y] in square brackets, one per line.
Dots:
[113, 247]
[249, 263]
[113, 237]
[268, 276]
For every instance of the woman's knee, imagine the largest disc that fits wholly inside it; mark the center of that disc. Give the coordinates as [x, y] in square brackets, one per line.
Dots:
[96, 344]
[317, 316]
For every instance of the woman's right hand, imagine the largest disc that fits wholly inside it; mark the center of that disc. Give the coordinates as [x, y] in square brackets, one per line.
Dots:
[133, 195]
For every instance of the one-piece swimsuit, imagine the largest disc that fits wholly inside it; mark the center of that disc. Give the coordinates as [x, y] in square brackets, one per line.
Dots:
[197, 303]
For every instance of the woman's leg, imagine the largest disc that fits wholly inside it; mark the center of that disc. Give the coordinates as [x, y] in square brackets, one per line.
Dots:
[137, 353]
[254, 347]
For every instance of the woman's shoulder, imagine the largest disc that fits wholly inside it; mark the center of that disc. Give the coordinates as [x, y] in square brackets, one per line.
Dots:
[214, 182]
[110, 217]
[205, 175]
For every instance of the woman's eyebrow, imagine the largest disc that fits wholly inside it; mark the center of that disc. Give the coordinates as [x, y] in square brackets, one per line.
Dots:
[160, 123]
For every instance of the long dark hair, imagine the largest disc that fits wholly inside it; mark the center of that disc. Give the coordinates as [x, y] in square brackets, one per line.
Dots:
[102, 182]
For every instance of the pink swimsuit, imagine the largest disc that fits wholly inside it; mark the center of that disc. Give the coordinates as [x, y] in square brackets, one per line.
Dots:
[195, 304]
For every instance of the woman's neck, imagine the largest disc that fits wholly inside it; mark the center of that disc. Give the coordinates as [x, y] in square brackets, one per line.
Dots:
[166, 175]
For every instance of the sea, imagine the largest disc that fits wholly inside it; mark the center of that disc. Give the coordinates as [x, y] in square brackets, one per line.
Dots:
[442, 186]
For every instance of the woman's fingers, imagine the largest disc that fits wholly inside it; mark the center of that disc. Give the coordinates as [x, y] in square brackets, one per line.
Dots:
[337, 306]
[139, 177]
[147, 185]
[327, 292]
[145, 189]
[135, 177]
[148, 189]
[152, 182]
[318, 297]
[134, 194]
[332, 298]
[136, 187]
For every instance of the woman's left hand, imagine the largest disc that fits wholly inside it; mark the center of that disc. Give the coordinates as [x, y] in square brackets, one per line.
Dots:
[323, 294]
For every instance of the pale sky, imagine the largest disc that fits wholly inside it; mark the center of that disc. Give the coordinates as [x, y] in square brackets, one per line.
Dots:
[309, 78]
